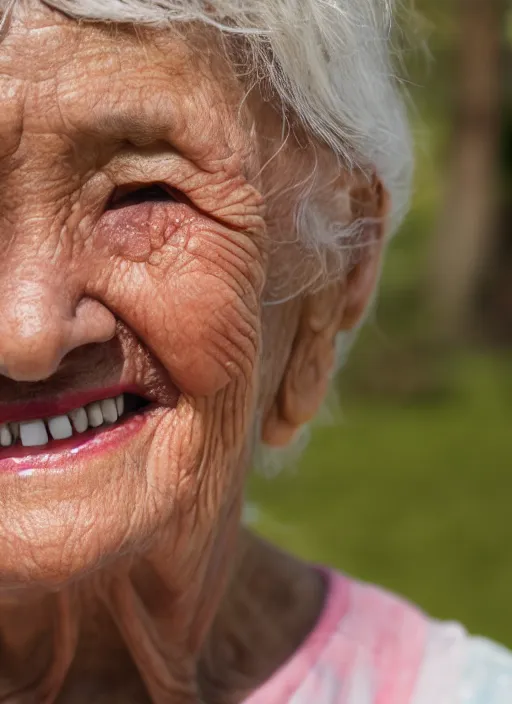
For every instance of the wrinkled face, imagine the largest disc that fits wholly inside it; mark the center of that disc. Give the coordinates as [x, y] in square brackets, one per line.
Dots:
[132, 263]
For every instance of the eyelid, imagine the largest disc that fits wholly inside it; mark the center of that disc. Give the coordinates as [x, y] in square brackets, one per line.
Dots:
[132, 168]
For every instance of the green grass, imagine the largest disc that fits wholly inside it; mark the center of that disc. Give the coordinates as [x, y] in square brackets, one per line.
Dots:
[416, 497]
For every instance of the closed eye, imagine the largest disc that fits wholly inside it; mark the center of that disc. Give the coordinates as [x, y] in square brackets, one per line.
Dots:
[133, 194]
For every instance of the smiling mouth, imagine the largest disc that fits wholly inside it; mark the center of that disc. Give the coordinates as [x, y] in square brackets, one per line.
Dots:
[39, 433]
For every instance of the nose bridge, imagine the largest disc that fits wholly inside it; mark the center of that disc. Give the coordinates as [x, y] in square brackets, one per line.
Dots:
[34, 213]
[44, 312]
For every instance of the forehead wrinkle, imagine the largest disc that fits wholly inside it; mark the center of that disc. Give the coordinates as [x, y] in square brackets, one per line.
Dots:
[36, 15]
[5, 19]
[111, 86]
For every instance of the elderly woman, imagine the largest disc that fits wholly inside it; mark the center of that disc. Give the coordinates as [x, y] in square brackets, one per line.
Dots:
[194, 201]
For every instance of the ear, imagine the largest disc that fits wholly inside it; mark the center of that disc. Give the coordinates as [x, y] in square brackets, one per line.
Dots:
[337, 307]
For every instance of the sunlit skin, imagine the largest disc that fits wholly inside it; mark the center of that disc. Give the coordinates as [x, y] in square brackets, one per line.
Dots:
[123, 569]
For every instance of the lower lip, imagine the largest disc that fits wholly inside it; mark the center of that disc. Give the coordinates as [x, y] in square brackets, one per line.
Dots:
[58, 454]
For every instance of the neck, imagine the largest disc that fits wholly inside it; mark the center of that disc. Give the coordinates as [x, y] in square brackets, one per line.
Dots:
[103, 639]
[271, 605]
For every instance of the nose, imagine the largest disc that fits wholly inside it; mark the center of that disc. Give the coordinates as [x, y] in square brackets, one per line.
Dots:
[40, 325]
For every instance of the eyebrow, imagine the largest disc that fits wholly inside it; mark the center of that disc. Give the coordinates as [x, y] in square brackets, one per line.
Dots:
[141, 127]
[118, 125]
[119, 122]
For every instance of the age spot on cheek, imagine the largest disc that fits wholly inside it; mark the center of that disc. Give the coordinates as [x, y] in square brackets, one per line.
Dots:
[139, 232]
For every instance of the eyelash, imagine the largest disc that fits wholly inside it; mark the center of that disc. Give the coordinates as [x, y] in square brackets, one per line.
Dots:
[134, 194]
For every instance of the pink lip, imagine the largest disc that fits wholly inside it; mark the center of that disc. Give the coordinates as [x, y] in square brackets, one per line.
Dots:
[60, 455]
[33, 410]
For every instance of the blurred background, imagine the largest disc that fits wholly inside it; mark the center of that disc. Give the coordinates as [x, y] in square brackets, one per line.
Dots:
[410, 484]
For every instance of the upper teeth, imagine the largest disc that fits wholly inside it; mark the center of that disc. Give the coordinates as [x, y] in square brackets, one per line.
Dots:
[37, 432]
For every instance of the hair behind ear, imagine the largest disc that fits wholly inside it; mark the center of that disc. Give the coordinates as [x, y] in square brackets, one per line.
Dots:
[338, 306]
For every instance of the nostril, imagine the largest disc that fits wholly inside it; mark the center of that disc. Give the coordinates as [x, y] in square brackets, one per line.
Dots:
[24, 363]
[40, 334]
[93, 322]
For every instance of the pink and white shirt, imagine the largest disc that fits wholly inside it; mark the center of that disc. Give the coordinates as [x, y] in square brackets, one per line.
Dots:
[370, 647]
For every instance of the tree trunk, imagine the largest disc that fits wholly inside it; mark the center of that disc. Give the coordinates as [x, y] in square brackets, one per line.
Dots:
[465, 230]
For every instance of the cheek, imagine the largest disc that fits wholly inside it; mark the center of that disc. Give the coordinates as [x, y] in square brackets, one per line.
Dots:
[210, 335]
[194, 300]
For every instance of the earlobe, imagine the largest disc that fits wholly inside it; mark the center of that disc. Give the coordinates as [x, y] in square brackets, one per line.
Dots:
[309, 367]
[277, 431]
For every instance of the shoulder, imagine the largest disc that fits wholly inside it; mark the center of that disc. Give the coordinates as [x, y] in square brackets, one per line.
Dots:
[461, 669]
[408, 658]
[373, 647]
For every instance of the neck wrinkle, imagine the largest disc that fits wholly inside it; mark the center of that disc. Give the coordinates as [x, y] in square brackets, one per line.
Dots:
[149, 651]
[39, 642]
[111, 637]
[65, 641]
